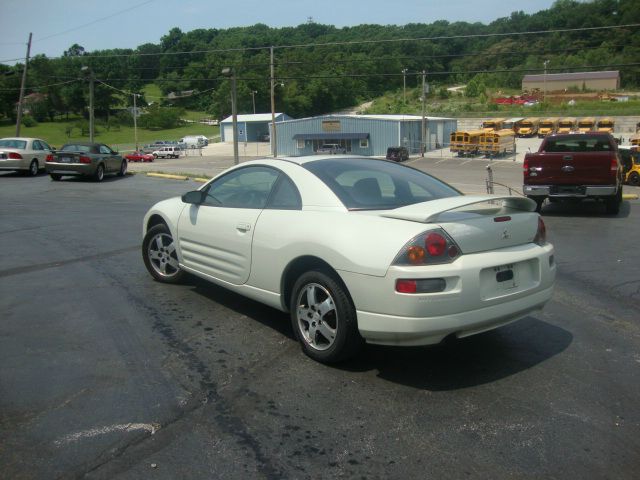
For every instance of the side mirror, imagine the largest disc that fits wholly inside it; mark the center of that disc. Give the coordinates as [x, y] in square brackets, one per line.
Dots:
[195, 197]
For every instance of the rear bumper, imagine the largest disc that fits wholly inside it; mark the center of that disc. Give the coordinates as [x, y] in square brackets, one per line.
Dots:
[11, 164]
[471, 302]
[582, 191]
[70, 168]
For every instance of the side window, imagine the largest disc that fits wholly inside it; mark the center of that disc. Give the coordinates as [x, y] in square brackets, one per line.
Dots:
[36, 145]
[247, 187]
[45, 145]
[105, 150]
[285, 196]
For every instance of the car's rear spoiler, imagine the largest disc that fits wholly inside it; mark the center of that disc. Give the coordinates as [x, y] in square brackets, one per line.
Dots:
[427, 212]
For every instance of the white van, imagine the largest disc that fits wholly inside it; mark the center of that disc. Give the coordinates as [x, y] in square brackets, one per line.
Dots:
[194, 141]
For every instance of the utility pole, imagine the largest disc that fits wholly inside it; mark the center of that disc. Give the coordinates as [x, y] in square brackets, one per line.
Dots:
[135, 120]
[22, 87]
[274, 135]
[230, 73]
[423, 144]
[404, 86]
[91, 118]
[544, 93]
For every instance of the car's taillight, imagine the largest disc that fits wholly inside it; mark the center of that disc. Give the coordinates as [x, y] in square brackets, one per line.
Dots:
[49, 158]
[84, 159]
[428, 248]
[422, 285]
[614, 164]
[541, 234]
[15, 156]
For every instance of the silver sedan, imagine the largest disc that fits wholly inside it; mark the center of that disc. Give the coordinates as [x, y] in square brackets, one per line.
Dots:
[23, 154]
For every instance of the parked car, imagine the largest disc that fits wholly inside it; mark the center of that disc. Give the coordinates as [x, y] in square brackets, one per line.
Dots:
[23, 154]
[397, 154]
[356, 249]
[138, 156]
[167, 152]
[331, 148]
[574, 167]
[85, 159]
[194, 141]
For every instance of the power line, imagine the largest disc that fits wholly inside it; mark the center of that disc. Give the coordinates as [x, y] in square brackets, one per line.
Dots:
[93, 22]
[359, 42]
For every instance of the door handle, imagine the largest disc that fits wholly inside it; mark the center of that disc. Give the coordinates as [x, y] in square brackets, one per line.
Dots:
[243, 227]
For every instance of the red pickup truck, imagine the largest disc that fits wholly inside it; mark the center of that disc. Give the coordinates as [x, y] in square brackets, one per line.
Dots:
[575, 167]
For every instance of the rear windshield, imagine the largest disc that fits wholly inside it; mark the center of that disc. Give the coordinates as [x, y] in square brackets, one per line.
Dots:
[10, 143]
[72, 147]
[578, 143]
[366, 184]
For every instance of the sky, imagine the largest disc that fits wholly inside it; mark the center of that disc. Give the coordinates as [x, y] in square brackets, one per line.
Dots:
[97, 25]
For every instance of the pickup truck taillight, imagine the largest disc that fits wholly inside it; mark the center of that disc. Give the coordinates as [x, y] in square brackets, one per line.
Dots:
[614, 164]
[15, 156]
[525, 166]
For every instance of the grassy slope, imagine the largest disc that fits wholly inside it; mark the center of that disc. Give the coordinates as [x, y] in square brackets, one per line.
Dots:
[122, 138]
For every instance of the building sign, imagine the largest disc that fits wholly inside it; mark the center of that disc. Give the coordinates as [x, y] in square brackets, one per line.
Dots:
[331, 126]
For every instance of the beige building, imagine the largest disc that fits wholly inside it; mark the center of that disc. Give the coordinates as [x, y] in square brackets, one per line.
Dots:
[557, 82]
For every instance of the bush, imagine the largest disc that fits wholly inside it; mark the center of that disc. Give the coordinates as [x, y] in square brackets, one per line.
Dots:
[29, 121]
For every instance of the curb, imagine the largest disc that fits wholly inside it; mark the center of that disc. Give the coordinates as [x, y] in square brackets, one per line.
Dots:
[166, 175]
[630, 196]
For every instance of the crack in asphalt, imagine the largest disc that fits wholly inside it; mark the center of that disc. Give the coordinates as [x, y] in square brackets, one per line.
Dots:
[61, 263]
[224, 417]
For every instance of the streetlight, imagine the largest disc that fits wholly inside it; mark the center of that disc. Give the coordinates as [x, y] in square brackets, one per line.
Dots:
[231, 74]
[253, 97]
[88, 70]
[404, 86]
[544, 93]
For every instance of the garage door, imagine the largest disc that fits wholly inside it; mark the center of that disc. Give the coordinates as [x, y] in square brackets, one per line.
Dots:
[228, 133]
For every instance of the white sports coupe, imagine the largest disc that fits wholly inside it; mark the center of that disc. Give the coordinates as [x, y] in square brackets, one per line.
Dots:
[357, 250]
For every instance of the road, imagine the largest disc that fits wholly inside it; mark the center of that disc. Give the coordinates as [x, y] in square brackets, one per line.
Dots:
[106, 374]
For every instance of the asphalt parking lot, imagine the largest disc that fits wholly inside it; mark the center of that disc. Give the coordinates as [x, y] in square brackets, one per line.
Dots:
[105, 373]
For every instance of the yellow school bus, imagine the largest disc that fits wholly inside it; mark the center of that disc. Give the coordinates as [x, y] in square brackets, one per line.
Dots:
[567, 125]
[465, 142]
[494, 144]
[493, 124]
[548, 126]
[606, 124]
[529, 127]
[586, 124]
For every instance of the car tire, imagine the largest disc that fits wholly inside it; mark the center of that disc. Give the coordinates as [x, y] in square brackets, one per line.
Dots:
[55, 177]
[123, 169]
[98, 176]
[539, 203]
[159, 255]
[634, 179]
[33, 168]
[612, 204]
[323, 318]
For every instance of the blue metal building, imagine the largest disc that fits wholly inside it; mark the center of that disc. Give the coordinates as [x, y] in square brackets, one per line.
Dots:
[368, 135]
[251, 128]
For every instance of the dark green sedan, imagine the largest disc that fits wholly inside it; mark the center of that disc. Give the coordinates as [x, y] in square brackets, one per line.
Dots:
[93, 160]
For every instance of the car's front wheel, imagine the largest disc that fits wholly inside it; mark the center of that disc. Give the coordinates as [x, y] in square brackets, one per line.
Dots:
[159, 255]
[324, 318]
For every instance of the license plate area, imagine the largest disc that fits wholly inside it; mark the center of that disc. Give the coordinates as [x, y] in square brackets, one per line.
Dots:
[65, 159]
[507, 279]
[568, 190]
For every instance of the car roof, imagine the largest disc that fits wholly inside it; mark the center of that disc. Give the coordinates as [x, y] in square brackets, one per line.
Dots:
[21, 138]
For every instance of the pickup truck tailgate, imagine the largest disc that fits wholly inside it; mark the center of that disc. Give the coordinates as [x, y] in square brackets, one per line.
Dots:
[570, 168]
